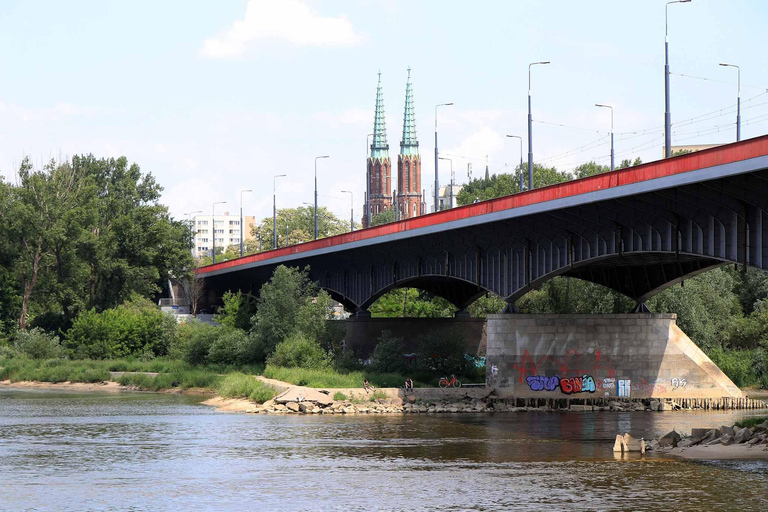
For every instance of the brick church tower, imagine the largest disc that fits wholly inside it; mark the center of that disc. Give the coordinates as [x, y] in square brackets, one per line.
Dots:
[379, 171]
[409, 196]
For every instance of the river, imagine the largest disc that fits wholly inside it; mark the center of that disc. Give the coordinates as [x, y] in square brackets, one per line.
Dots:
[142, 451]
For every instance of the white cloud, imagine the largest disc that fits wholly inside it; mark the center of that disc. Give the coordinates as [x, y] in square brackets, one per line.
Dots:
[290, 21]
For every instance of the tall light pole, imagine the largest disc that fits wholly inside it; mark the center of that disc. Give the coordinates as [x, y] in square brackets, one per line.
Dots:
[351, 209]
[192, 228]
[316, 159]
[437, 181]
[738, 99]
[610, 107]
[521, 158]
[274, 210]
[367, 182]
[530, 126]
[241, 219]
[443, 158]
[213, 222]
[667, 114]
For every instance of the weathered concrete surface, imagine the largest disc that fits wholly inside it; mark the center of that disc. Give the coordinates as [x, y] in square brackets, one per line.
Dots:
[362, 333]
[591, 356]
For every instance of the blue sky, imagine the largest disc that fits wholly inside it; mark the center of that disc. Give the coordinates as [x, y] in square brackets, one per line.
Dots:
[212, 97]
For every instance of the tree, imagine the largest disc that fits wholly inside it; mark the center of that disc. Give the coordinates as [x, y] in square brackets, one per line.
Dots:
[500, 185]
[412, 303]
[297, 225]
[289, 303]
[385, 217]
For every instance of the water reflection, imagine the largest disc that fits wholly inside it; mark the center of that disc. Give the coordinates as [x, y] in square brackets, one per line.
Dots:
[150, 452]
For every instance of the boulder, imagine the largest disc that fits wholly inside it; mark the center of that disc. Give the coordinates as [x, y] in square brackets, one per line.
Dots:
[581, 408]
[663, 406]
[671, 439]
[726, 431]
[653, 445]
[304, 407]
[700, 432]
[727, 440]
[754, 440]
[654, 405]
[685, 443]
[743, 436]
[292, 406]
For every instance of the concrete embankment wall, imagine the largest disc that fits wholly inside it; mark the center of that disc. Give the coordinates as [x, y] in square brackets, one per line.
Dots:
[599, 356]
[362, 333]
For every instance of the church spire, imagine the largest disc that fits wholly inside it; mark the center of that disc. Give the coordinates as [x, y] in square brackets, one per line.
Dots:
[409, 145]
[379, 148]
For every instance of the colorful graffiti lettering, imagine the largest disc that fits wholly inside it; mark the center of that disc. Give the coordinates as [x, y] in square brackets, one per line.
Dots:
[608, 383]
[541, 383]
[564, 365]
[584, 384]
[569, 386]
[678, 383]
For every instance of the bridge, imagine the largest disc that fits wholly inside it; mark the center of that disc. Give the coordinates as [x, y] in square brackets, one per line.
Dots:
[638, 231]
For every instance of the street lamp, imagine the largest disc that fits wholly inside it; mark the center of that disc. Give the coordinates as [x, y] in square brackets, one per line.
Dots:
[610, 107]
[194, 232]
[667, 114]
[437, 181]
[213, 222]
[367, 182]
[274, 210]
[316, 159]
[241, 220]
[521, 158]
[738, 99]
[530, 126]
[443, 158]
[351, 209]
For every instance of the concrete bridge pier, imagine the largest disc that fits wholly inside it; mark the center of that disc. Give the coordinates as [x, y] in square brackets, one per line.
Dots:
[635, 355]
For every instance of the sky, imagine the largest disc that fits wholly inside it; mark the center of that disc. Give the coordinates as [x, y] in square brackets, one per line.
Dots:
[216, 97]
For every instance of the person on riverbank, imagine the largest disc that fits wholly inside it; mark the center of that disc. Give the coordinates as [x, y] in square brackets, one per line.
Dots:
[408, 384]
[367, 385]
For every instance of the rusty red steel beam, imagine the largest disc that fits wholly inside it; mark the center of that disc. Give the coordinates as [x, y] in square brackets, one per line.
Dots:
[720, 155]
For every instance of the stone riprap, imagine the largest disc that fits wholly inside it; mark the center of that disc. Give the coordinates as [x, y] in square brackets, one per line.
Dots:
[600, 356]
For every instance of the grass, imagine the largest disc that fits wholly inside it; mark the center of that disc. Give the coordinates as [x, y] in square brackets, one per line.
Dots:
[239, 385]
[339, 396]
[335, 379]
[183, 379]
[751, 422]
[377, 395]
[51, 370]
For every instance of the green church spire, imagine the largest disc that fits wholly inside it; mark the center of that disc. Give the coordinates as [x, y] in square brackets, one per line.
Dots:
[379, 148]
[409, 145]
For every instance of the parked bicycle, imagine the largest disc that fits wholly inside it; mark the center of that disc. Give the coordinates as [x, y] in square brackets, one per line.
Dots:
[447, 383]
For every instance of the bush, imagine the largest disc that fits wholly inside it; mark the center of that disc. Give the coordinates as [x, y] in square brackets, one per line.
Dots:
[738, 365]
[339, 396]
[299, 352]
[444, 354]
[199, 339]
[228, 347]
[38, 344]
[135, 328]
[237, 310]
[388, 354]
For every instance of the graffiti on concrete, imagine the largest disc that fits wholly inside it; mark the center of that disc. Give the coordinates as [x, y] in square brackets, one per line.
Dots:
[541, 383]
[607, 383]
[565, 365]
[584, 384]
[678, 383]
[568, 386]
[625, 387]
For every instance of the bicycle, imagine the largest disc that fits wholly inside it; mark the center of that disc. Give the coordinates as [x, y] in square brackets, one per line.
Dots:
[446, 383]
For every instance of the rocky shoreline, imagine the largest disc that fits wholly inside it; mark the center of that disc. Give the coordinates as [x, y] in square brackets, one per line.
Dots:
[716, 443]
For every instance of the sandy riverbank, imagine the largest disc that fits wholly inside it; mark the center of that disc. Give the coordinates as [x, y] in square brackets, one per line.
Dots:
[721, 452]
[104, 386]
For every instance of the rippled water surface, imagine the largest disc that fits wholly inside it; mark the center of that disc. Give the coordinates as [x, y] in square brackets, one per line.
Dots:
[130, 451]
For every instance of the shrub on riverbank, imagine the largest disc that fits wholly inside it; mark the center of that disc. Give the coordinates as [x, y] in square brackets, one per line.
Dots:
[37, 344]
[134, 328]
[203, 379]
[298, 351]
[21, 369]
[239, 385]
[746, 368]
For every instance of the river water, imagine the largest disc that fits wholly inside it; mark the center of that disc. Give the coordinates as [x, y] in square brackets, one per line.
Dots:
[135, 451]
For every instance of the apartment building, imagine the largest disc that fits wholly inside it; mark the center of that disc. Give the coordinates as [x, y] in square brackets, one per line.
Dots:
[225, 228]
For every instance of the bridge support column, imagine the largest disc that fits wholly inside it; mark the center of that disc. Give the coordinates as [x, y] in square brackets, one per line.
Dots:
[510, 308]
[362, 313]
[640, 307]
[462, 313]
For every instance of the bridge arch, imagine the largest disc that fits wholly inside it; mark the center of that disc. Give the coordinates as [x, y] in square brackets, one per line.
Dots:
[638, 275]
[459, 292]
